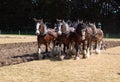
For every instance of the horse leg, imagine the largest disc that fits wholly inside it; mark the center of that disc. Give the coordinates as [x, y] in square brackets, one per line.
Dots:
[68, 51]
[88, 49]
[91, 48]
[97, 51]
[60, 56]
[46, 50]
[84, 49]
[71, 50]
[77, 52]
[64, 52]
[98, 47]
[39, 52]
[64, 48]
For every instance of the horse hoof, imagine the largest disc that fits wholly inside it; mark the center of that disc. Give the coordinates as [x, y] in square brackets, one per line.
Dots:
[97, 51]
[87, 56]
[62, 57]
[77, 58]
[91, 54]
[39, 57]
[84, 57]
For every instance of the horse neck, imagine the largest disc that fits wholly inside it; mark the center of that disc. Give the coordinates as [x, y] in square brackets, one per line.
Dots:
[94, 27]
[65, 27]
[43, 29]
[94, 30]
[89, 30]
[99, 31]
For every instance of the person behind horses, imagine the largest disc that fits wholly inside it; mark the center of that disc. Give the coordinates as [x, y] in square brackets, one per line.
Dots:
[99, 25]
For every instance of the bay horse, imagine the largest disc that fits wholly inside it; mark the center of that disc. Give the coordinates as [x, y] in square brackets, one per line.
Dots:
[90, 34]
[44, 36]
[64, 31]
[87, 34]
[97, 38]
[84, 36]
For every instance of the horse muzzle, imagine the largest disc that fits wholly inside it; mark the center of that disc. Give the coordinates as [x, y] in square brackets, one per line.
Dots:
[59, 32]
[37, 32]
[83, 37]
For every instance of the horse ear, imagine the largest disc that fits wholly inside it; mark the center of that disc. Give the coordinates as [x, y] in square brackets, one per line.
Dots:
[41, 20]
[89, 22]
[63, 20]
[35, 19]
[78, 20]
[58, 20]
[81, 21]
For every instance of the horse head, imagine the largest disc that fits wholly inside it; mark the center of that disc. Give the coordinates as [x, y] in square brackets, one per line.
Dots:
[62, 27]
[59, 25]
[93, 26]
[41, 28]
[81, 30]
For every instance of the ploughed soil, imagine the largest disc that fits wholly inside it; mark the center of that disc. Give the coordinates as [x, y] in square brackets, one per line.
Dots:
[15, 53]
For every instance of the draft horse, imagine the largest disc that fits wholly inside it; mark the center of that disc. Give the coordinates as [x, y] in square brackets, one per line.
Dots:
[64, 32]
[44, 36]
[83, 34]
[89, 35]
[97, 38]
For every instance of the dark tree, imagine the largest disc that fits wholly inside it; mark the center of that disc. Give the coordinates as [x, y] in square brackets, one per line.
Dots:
[18, 14]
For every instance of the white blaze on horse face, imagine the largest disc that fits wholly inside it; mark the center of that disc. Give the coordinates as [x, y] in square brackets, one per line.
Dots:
[83, 34]
[37, 28]
[59, 29]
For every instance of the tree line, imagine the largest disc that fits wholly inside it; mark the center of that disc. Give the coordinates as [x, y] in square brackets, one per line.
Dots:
[18, 14]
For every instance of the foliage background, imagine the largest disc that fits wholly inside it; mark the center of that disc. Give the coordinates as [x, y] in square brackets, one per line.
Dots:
[18, 14]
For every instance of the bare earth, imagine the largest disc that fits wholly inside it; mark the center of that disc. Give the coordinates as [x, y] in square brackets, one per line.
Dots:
[98, 68]
[16, 39]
